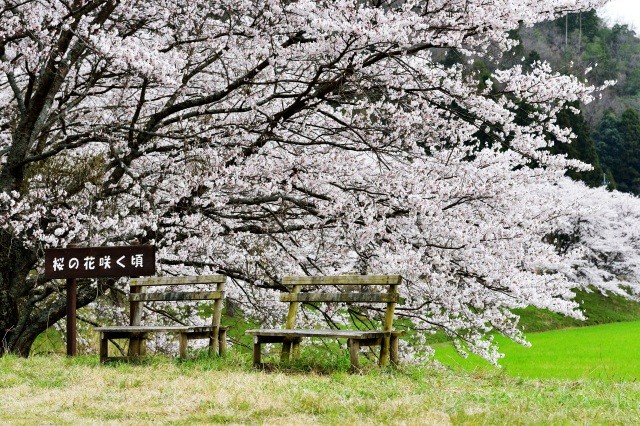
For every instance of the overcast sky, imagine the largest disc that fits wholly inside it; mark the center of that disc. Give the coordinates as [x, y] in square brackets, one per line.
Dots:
[624, 12]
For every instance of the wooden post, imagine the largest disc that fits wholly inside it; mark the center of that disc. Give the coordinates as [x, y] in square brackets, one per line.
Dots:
[136, 344]
[295, 349]
[72, 347]
[222, 341]
[385, 347]
[257, 352]
[354, 352]
[394, 351]
[291, 321]
[183, 345]
[104, 347]
[285, 355]
[214, 340]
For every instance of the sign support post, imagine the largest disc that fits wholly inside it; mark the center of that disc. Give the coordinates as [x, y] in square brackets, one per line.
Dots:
[72, 292]
[94, 262]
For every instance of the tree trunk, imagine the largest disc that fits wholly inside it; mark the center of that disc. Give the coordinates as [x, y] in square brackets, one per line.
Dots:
[28, 308]
[15, 263]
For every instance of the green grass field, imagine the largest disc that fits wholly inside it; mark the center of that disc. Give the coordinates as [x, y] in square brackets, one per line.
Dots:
[598, 308]
[608, 352]
[604, 347]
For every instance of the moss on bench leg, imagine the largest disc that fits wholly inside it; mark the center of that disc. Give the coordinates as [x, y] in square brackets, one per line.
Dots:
[384, 351]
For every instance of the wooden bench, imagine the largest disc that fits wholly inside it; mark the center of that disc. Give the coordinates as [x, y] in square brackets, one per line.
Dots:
[138, 295]
[290, 337]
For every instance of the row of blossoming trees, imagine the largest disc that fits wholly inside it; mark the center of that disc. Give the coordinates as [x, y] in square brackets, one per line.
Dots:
[264, 138]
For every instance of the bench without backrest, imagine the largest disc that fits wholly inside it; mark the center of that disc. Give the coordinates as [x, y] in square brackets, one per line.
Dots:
[138, 295]
[290, 337]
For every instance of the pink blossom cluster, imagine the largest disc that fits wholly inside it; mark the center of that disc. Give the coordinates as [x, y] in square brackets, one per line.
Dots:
[266, 138]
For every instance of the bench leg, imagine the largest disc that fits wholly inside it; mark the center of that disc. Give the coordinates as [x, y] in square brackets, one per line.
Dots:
[354, 352]
[384, 351]
[213, 348]
[104, 347]
[295, 349]
[257, 363]
[394, 351]
[183, 345]
[222, 342]
[286, 350]
[214, 342]
[136, 346]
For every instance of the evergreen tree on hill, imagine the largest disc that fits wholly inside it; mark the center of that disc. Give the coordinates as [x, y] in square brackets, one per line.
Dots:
[618, 144]
[630, 131]
[582, 148]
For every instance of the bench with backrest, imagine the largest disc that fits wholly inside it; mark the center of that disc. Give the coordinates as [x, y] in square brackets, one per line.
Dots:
[135, 332]
[290, 337]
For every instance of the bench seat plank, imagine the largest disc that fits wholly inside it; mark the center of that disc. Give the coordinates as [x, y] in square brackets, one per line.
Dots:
[185, 333]
[344, 280]
[157, 328]
[346, 334]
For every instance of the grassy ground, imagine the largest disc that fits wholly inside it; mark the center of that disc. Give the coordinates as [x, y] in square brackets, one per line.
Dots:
[56, 390]
[581, 375]
[603, 352]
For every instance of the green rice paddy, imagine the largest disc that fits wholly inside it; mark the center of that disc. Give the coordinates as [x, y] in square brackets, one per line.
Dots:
[603, 352]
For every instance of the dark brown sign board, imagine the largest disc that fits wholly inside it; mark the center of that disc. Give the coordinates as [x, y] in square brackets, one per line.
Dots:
[95, 262]
[100, 262]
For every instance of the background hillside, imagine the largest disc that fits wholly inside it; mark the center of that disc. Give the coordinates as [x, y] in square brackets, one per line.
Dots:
[608, 129]
[581, 42]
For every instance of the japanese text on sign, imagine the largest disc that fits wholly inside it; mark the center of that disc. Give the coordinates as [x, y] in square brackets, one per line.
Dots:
[104, 262]
[94, 262]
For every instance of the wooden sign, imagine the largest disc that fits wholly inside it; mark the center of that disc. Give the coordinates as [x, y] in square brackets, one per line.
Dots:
[100, 262]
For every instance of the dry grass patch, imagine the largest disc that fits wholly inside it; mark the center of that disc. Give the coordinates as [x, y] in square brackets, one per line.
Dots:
[57, 390]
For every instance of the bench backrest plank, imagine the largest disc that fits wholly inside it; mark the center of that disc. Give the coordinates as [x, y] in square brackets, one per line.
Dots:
[295, 297]
[344, 280]
[176, 296]
[174, 281]
[340, 297]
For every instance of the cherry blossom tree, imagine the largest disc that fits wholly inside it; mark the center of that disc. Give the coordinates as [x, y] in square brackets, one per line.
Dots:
[265, 138]
[602, 230]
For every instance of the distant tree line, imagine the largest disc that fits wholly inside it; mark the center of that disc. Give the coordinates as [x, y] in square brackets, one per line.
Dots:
[607, 130]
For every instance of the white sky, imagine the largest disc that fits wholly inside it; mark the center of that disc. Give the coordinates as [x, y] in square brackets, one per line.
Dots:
[623, 12]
